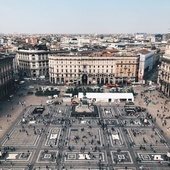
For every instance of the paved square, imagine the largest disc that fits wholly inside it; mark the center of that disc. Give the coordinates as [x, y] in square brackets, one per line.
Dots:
[47, 156]
[19, 137]
[116, 137]
[107, 112]
[146, 137]
[153, 157]
[18, 156]
[55, 140]
[111, 122]
[53, 136]
[85, 156]
[121, 157]
[136, 122]
[84, 136]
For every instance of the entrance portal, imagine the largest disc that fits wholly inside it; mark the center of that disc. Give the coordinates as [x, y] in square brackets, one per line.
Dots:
[84, 78]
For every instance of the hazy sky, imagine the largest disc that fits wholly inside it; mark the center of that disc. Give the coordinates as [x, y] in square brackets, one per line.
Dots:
[84, 16]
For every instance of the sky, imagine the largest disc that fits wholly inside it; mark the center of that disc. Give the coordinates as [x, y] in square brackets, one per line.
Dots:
[84, 16]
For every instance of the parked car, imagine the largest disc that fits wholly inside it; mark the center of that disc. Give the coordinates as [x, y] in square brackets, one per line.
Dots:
[48, 102]
[31, 87]
[56, 103]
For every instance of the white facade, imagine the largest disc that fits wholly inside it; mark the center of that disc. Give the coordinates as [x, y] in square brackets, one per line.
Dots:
[108, 97]
[81, 69]
[145, 63]
[32, 63]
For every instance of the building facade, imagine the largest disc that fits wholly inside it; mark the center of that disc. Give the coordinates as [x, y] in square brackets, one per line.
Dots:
[164, 72]
[146, 61]
[32, 63]
[7, 81]
[91, 69]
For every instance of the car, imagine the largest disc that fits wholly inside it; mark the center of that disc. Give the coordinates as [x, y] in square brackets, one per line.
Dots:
[48, 102]
[31, 87]
[55, 96]
[21, 82]
[74, 102]
[30, 92]
[56, 103]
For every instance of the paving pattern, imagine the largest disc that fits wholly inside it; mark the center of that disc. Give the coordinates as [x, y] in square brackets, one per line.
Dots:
[54, 140]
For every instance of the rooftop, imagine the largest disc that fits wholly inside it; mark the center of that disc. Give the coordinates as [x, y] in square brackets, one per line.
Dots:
[143, 51]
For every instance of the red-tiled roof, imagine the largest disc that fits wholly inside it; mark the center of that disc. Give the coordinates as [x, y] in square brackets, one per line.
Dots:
[143, 51]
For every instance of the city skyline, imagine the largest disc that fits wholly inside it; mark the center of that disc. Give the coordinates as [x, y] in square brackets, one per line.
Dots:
[85, 17]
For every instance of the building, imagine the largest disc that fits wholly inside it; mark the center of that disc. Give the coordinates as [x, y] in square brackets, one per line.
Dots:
[126, 69]
[7, 85]
[108, 97]
[91, 68]
[32, 63]
[164, 72]
[146, 61]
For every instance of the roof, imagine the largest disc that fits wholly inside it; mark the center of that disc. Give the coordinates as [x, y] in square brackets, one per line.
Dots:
[107, 95]
[143, 51]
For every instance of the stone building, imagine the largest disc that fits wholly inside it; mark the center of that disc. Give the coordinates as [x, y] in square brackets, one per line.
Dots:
[7, 81]
[79, 68]
[32, 63]
[164, 72]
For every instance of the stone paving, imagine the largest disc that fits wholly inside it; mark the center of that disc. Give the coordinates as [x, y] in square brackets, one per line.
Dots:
[87, 137]
[55, 140]
[122, 157]
[146, 137]
[20, 137]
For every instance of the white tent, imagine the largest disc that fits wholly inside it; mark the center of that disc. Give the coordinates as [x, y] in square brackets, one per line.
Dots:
[108, 97]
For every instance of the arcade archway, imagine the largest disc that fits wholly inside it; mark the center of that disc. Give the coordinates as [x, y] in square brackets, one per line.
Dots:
[84, 79]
